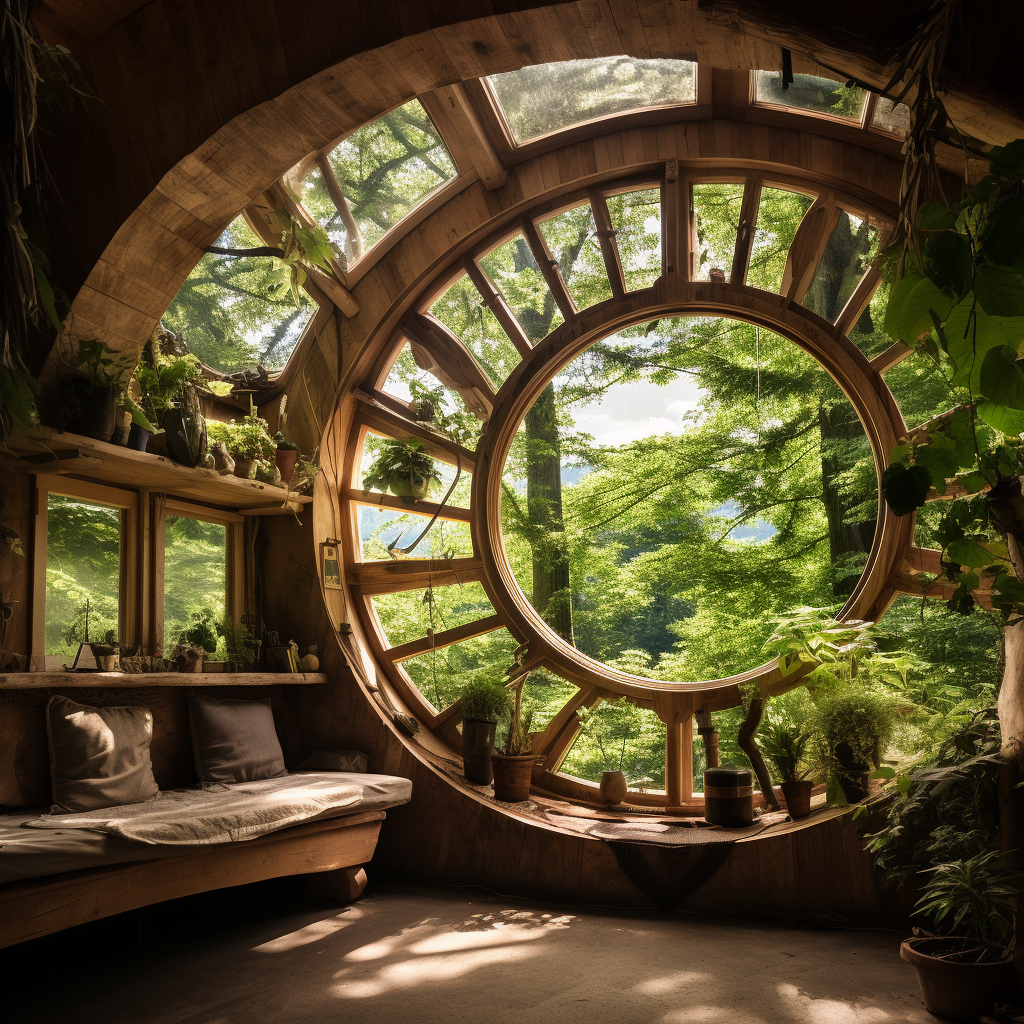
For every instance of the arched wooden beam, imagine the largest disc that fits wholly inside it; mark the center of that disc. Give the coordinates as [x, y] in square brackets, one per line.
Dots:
[439, 352]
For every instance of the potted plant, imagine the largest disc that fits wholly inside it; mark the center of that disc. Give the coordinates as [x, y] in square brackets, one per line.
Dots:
[249, 442]
[285, 455]
[89, 394]
[403, 468]
[303, 474]
[610, 726]
[197, 639]
[243, 648]
[785, 747]
[849, 727]
[513, 763]
[484, 703]
[966, 968]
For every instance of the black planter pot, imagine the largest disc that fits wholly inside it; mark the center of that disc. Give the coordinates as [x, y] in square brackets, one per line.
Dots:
[853, 775]
[186, 435]
[88, 409]
[138, 438]
[729, 797]
[477, 747]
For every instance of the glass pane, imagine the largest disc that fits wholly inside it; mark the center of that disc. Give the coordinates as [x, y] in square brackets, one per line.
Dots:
[385, 170]
[224, 315]
[810, 93]
[847, 256]
[716, 214]
[441, 675]
[451, 418]
[891, 118]
[779, 214]
[619, 736]
[461, 309]
[459, 497]
[636, 221]
[867, 333]
[195, 574]
[571, 238]
[687, 478]
[412, 613]
[514, 272]
[83, 569]
[546, 694]
[547, 97]
[379, 528]
[919, 388]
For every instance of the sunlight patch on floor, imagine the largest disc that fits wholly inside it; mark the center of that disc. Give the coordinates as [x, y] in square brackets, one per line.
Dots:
[314, 932]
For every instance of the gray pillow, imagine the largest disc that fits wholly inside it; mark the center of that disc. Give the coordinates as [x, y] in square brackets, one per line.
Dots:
[99, 757]
[234, 740]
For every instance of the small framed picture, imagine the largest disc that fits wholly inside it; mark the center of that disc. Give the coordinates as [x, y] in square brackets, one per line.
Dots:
[331, 566]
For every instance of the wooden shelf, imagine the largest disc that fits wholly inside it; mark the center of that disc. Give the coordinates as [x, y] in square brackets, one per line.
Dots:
[145, 680]
[71, 454]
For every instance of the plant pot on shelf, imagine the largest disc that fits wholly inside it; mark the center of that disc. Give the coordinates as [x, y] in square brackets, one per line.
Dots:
[122, 428]
[285, 459]
[185, 431]
[138, 438]
[215, 666]
[853, 775]
[89, 409]
[477, 748]
[959, 991]
[512, 776]
[245, 468]
[405, 488]
[729, 797]
[798, 797]
[613, 787]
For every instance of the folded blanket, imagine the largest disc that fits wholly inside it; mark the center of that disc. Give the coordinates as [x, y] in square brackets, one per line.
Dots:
[201, 817]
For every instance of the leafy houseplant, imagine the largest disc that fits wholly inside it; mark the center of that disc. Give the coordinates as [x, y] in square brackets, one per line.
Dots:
[243, 648]
[786, 748]
[513, 763]
[285, 455]
[89, 395]
[485, 702]
[249, 442]
[966, 968]
[403, 468]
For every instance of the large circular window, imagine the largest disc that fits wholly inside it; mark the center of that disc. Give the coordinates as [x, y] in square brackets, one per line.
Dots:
[683, 479]
[633, 471]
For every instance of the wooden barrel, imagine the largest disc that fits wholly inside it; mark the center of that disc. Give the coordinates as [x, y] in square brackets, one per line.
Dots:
[729, 797]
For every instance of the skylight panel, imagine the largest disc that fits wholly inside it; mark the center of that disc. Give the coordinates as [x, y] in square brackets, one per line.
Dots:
[225, 315]
[810, 93]
[891, 117]
[546, 98]
[375, 177]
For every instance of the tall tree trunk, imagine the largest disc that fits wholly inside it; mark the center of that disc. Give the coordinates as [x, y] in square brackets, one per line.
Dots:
[552, 595]
[551, 592]
[838, 422]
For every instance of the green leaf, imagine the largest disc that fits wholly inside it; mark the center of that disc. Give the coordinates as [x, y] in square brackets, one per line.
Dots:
[897, 300]
[1002, 381]
[935, 217]
[914, 314]
[906, 487]
[1007, 161]
[969, 553]
[949, 262]
[1007, 421]
[940, 460]
[1000, 290]
[883, 773]
[970, 333]
[1004, 241]
[975, 482]
[903, 784]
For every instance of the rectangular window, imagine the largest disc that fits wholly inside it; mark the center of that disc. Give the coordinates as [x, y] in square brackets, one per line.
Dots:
[198, 570]
[83, 587]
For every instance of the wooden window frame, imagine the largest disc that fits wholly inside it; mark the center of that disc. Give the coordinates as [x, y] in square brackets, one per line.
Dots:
[131, 591]
[234, 564]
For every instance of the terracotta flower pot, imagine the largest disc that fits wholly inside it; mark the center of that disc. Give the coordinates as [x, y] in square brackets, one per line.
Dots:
[958, 991]
[512, 776]
[798, 797]
[285, 459]
[477, 748]
[613, 787]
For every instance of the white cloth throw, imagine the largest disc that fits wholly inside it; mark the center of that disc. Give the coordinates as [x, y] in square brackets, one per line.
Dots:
[220, 814]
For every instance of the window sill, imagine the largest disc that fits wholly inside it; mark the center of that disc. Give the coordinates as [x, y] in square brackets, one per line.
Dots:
[146, 680]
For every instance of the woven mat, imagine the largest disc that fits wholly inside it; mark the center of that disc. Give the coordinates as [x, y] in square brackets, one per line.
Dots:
[688, 833]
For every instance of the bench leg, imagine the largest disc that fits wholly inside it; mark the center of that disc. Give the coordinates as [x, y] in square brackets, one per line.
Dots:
[340, 886]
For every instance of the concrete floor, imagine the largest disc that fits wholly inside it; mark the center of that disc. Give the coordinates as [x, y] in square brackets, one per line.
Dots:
[268, 954]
